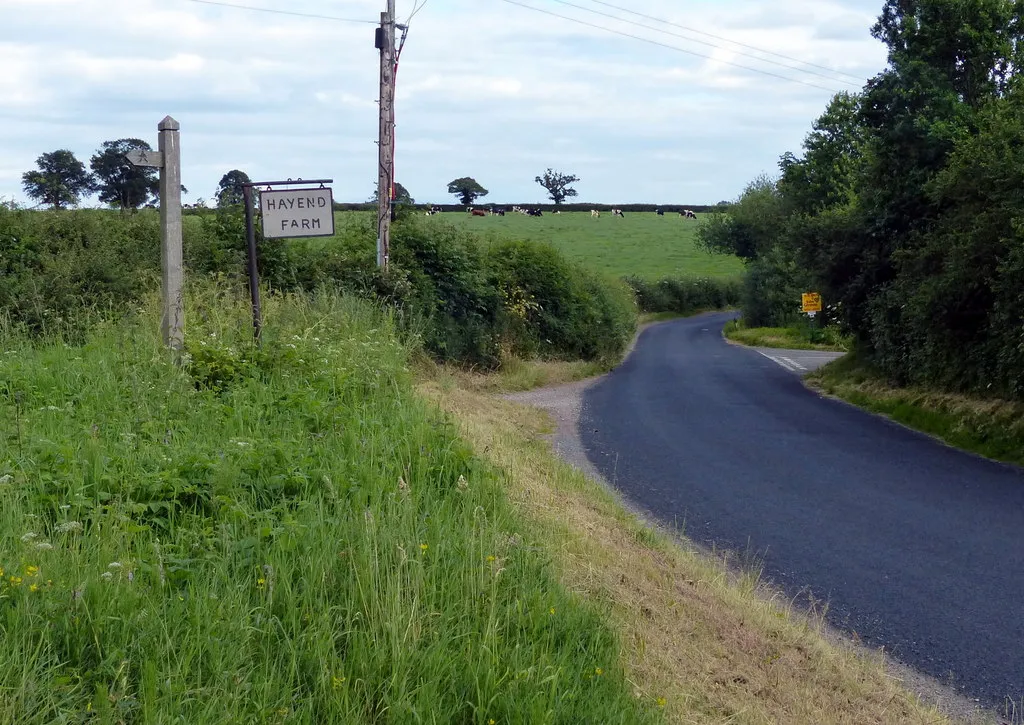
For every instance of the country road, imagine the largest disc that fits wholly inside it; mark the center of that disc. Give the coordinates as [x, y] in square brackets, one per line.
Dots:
[915, 546]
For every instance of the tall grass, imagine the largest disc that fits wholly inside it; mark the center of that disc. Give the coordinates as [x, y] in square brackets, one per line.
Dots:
[282, 535]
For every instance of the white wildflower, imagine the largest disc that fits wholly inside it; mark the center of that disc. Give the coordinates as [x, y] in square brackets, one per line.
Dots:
[114, 565]
[25, 538]
[68, 527]
[462, 484]
[6, 478]
[107, 575]
[44, 546]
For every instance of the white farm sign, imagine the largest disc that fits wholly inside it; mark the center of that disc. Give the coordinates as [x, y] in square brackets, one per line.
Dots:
[297, 213]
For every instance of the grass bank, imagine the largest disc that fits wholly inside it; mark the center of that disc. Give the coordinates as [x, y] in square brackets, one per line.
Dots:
[797, 337]
[284, 535]
[989, 427]
[698, 642]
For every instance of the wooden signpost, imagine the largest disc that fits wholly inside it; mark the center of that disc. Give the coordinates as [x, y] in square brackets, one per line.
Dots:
[168, 160]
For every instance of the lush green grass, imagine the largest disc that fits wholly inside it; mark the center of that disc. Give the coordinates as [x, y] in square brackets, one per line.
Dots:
[279, 536]
[991, 428]
[642, 244]
[804, 337]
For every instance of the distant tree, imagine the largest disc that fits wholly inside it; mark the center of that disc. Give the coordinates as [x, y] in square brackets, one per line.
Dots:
[229, 190]
[557, 185]
[60, 180]
[467, 189]
[402, 195]
[120, 183]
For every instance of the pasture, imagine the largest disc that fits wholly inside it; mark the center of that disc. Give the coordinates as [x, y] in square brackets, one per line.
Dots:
[641, 243]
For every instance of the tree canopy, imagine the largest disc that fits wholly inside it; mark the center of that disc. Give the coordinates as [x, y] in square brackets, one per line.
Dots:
[229, 189]
[60, 179]
[557, 185]
[118, 181]
[467, 189]
[402, 195]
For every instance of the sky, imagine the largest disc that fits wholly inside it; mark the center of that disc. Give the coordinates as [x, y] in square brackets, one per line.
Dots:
[486, 88]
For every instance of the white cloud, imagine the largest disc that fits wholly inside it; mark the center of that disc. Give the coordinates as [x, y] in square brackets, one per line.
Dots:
[486, 89]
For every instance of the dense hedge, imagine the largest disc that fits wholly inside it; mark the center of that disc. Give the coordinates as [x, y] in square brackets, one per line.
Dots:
[467, 301]
[685, 295]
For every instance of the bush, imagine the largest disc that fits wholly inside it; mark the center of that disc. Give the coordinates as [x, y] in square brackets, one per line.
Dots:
[685, 295]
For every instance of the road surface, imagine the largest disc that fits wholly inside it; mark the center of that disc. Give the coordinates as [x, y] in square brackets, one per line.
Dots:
[915, 546]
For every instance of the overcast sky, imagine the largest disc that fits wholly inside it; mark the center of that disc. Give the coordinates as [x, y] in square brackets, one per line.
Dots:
[485, 89]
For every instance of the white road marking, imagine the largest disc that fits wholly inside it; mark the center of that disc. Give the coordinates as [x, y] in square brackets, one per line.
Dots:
[794, 363]
[780, 361]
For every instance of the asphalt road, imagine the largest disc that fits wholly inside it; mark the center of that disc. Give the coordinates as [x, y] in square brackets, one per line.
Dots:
[915, 546]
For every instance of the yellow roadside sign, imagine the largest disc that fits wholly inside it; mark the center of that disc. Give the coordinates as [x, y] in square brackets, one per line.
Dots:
[812, 301]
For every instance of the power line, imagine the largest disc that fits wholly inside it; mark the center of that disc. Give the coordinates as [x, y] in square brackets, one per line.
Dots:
[670, 47]
[728, 40]
[281, 12]
[713, 45]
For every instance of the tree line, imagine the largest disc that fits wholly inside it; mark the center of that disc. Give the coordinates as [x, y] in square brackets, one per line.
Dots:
[906, 206]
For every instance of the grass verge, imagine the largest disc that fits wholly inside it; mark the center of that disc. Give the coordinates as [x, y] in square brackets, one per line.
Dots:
[787, 338]
[702, 645]
[282, 535]
[991, 428]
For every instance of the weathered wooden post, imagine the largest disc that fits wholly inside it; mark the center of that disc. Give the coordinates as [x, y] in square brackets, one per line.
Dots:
[173, 325]
[168, 160]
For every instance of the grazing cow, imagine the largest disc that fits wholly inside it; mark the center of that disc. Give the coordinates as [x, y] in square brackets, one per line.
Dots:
[595, 213]
[534, 212]
[660, 212]
[688, 214]
[478, 212]
[618, 212]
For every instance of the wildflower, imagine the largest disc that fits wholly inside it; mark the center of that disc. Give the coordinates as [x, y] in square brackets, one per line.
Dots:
[33, 587]
[31, 571]
[25, 538]
[462, 484]
[282, 711]
[68, 527]
[1, 571]
[598, 671]
[551, 611]
[15, 581]
[661, 702]
[107, 575]
[337, 681]
[491, 721]
[44, 546]
[424, 547]
[6, 478]
[261, 583]
[491, 559]
[114, 565]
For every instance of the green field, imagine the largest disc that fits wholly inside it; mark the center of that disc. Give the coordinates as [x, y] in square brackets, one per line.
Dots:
[643, 244]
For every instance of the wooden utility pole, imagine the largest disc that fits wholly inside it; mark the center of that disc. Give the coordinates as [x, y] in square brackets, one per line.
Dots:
[386, 143]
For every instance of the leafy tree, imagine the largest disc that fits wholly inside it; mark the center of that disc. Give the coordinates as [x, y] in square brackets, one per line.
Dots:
[229, 190]
[60, 180]
[119, 182]
[402, 195]
[557, 185]
[751, 226]
[467, 189]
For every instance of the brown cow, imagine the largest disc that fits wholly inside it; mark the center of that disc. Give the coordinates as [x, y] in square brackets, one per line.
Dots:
[479, 212]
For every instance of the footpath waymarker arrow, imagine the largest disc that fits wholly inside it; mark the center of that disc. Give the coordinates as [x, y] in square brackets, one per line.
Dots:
[142, 157]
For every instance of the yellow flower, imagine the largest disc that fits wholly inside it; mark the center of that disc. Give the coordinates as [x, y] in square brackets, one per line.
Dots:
[491, 559]
[261, 582]
[282, 711]
[33, 588]
[598, 671]
[15, 581]
[31, 570]
[1, 571]
[661, 702]
[424, 547]
[491, 721]
[551, 611]
[337, 681]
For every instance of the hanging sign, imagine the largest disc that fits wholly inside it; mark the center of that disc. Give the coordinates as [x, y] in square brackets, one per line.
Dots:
[297, 213]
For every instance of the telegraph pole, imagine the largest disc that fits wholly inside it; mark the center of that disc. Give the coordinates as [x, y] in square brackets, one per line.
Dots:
[385, 42]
